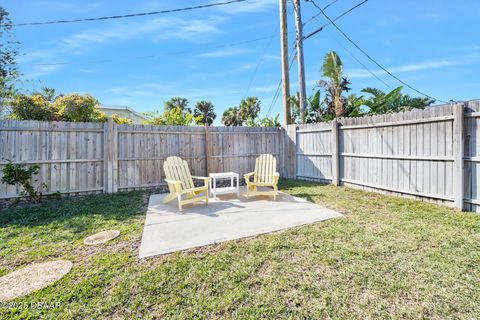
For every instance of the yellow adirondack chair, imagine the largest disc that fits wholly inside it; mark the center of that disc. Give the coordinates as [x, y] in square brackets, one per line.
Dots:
[180, 182]
[265, 175]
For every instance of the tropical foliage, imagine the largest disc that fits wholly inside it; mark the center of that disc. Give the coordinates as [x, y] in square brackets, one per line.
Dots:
[34, 107]
[231, 117]
[335, 85]
[177, 102]
[335, 104]
[9, 72]
[249, 108]
[47, 106]
[18, 174]
[49, 94]
[394, 101]
[203, 113]
[269, 122]
[175, 116]
[247, 114]
[78, 108]
[120, 120]
[176, 113]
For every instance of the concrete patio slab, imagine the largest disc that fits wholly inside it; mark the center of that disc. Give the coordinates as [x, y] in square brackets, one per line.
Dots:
[225, 218]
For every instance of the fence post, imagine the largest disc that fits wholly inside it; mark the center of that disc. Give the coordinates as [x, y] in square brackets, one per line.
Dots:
[290, 150]
[335, 158]
[110, 163]
[458, 154]
[207, 151]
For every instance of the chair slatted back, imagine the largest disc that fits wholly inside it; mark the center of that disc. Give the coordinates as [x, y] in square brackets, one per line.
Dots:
[265, 168]
[177, 169]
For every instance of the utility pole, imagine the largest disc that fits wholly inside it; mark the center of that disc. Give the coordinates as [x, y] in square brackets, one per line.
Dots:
[287, 119]
[301, 71]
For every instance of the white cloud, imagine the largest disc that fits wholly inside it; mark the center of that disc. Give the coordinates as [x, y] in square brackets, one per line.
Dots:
[265, 89]
[248, 6]
[88, 71]
[389, 21]
[412, 67]
[195, 30]
[224, 53]
[271, 57]
[41, 70]
[130, 92]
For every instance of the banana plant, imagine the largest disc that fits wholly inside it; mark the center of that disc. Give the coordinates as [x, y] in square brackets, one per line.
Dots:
[333, 70]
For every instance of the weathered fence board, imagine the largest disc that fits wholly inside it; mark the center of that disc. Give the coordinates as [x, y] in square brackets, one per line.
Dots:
[70, 155]
[431, 153]
[96, 157]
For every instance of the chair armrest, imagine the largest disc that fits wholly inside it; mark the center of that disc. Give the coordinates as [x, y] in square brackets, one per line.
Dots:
[248, 175]
[205, 179]
[177, 185]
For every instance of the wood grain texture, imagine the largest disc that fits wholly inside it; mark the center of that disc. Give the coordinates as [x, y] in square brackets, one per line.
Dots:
[416, 154]
[95, 157]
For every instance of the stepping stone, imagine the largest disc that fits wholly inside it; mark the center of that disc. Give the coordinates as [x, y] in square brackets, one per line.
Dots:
[32, 278]
[101, 237]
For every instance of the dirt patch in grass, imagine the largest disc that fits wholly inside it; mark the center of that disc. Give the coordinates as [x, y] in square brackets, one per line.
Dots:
[32, 278]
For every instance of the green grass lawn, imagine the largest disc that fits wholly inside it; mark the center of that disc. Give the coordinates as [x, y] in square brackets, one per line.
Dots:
[389, 258]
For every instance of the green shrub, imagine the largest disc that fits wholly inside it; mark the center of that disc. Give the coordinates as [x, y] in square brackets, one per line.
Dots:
[33, 107]
[78, 108]
[121, 120]
[20, 174]
[173, 117]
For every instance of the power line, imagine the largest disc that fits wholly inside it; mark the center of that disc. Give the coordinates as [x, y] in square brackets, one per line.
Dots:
[369, 57]
[324, 8]
[260, 61]
[329, 23]
[227, 45]
[362, 64]
[277, 92]
[141, 14]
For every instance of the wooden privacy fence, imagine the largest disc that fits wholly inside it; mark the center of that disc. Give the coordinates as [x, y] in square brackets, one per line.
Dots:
[432, 153]
[429, 154]
[96, 157]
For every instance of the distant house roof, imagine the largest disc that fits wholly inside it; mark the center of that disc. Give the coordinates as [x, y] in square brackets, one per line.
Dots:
[109, 109]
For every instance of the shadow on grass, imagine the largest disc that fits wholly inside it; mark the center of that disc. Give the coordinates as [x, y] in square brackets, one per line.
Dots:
[77, 213]
[289, 185]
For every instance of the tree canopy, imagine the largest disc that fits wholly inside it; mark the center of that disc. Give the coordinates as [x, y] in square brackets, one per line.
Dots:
[9, 72]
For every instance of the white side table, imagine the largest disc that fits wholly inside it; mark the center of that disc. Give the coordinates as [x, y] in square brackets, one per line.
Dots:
[223, 190]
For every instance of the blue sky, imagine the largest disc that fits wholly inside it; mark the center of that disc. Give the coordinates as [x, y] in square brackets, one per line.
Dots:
[142, 62]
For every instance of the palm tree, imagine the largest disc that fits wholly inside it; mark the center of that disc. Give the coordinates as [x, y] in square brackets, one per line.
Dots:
[204, 113]
[231, 117]
[249, 108]
[333, 69]
[177, 102]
